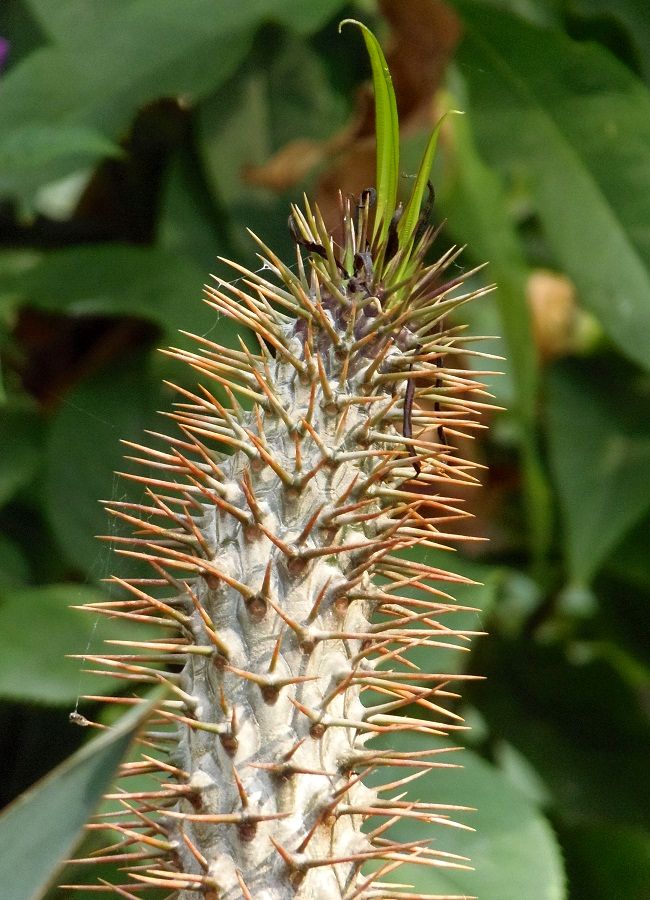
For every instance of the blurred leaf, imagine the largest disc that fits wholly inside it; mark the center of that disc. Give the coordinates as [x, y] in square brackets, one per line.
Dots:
[17, 21]
[631, 14]
[631, 562]
[476, 208]
[408, 223]
[599, 441]
[513, 849]
[43, 825]
[520, 773]
[108, 60]
[20, 445]
[120, 280]
[578, 721]
[578, 132]
[77, 20]
[475, 204]
[83, 452]
[29, 152]
[38, 628]
[14, 569]
[189, 225]
[608, 861]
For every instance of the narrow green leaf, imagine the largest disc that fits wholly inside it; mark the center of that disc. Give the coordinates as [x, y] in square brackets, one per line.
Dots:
[41, 828]
[409, 220]
[386, 130]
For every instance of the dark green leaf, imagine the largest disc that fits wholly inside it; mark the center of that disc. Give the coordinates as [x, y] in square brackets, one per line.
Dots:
[576, 717]
[84, 451]
[599, 439]
[14, 569]
[513, 849]
[631, 14]
[476, 207]
[120, 280]
[608, 861]
[43, 825]
[20, 441]
[578, 133]
[38, 628]
[189, 225]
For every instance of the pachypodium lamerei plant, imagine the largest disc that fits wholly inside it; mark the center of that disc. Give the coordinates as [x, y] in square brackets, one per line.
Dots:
[276, 528]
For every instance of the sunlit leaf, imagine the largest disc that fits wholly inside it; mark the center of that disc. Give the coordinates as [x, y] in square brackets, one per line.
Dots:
[386, 130]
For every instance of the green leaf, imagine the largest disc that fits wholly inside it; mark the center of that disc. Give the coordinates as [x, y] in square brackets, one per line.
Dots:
[105, 63]
[20, 439]
[386, 130]
[14, 569]
[83, 452]
[608, 861]
[27, 153]
[41, 828]
[541, 698]
[411, 214]
[578, 134]
[283, 93]
[38, 628]
[189, 225]
[120, 280]
[513, 849]
[599, 441]
[475, 205]
[632, 15]
[75, 22]
[476, 208]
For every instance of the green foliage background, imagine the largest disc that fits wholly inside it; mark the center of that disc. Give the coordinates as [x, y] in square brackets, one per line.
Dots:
[126, 127]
